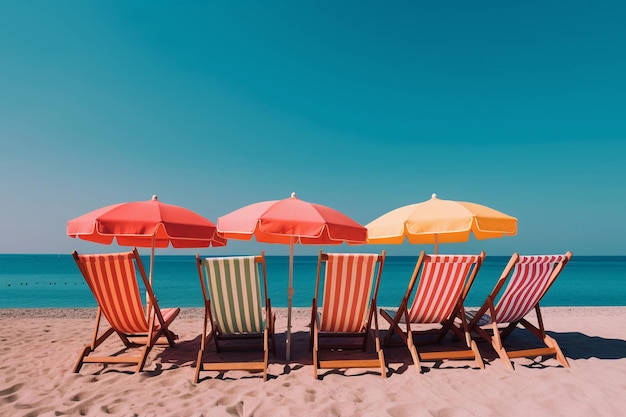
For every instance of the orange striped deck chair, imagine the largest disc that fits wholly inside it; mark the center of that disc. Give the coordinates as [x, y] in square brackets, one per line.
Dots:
[444, 281]
[529, 278]
[238, 309]
[112, 279]
[347, 310]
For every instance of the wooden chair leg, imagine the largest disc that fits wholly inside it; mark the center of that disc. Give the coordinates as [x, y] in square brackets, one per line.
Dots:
[477, 355]
[393, 326]
[315, 354]
[381, 358]
[273, 334]
[79, 363]
[312, 324]
[142, 360]
[496, 343]
[550, 342]
[265, 353]
[413, 351]
[196, 378]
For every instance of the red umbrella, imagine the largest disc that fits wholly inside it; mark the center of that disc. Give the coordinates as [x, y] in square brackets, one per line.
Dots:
[148, 224]
[291, 221]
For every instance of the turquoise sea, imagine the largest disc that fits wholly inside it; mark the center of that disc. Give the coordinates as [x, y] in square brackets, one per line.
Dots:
[43, 281]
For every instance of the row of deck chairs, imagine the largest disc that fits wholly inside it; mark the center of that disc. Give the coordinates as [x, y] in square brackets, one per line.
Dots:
[238, 309]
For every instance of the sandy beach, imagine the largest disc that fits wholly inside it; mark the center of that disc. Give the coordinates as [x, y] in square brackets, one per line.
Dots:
[40, 346]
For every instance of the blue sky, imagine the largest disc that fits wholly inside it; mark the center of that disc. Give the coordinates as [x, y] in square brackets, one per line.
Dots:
[362, 106]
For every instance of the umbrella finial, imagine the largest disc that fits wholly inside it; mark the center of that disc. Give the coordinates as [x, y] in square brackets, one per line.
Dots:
[434, 195]
[154, 197]
[293, 195]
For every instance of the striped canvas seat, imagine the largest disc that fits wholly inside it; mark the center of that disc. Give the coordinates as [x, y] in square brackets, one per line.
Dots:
[235, 289]
[350, 285]
[530, 280]
[236, 307]
[527, 280]
[112, 279]
[444, 280]
[347, 291]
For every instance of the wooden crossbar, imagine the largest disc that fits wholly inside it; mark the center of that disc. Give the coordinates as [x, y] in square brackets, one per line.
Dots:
[233, 366]
[528, 353]
[352, 363]
[112, 359]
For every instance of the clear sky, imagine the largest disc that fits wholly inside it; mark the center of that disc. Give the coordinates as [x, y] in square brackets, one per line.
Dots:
[363, 106]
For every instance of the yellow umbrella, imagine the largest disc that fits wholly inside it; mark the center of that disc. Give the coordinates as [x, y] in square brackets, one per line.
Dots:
[440, 221]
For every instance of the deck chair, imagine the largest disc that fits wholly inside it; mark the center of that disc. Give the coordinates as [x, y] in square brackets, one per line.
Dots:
[237, 311]
[112, 279]
[444, 281]
[529, 278]
[347, 310]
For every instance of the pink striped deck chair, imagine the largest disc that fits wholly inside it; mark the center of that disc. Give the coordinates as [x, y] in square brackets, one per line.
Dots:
[238, 310]
[529, 278]
[112, 279]
[347, 310]
[444, 281]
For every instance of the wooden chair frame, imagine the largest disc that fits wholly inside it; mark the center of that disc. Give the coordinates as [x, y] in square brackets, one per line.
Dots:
[157, 330]
[214, 333]
[361, 336]
[495, 333]
[401, 319]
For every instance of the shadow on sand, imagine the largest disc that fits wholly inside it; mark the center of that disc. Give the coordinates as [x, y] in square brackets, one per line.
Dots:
[575, 346]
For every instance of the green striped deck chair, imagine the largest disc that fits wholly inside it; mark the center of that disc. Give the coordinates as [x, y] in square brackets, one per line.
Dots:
[238, 310]
[112, 279]
[345, 315]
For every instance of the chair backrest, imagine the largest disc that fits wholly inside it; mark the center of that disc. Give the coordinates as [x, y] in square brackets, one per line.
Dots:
[113, 281]
[442, 282]
[531, 278]
[234, 288]
[349, 288]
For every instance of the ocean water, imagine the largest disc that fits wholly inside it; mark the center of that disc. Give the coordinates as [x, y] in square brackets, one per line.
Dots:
[44, 281]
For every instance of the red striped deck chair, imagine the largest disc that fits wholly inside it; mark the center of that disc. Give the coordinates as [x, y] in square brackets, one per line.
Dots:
[237, 307]
[444, 281]
[529, 278]
[347, 310]
[112, 279]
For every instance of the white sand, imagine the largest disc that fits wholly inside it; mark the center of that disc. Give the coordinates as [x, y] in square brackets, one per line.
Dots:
[39, 348]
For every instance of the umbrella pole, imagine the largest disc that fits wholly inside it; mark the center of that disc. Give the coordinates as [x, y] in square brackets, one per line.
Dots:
[289, 299]
[151, 270]
[151, 260]
[436, 245]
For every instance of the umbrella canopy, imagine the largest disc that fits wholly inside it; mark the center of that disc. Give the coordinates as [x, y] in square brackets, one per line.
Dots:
[440, 221]
[291, 221]
[145, 224]
[148, 224]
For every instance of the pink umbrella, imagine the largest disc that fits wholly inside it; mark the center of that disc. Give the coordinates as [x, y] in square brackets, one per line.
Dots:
[291, 221]
[149, 224]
